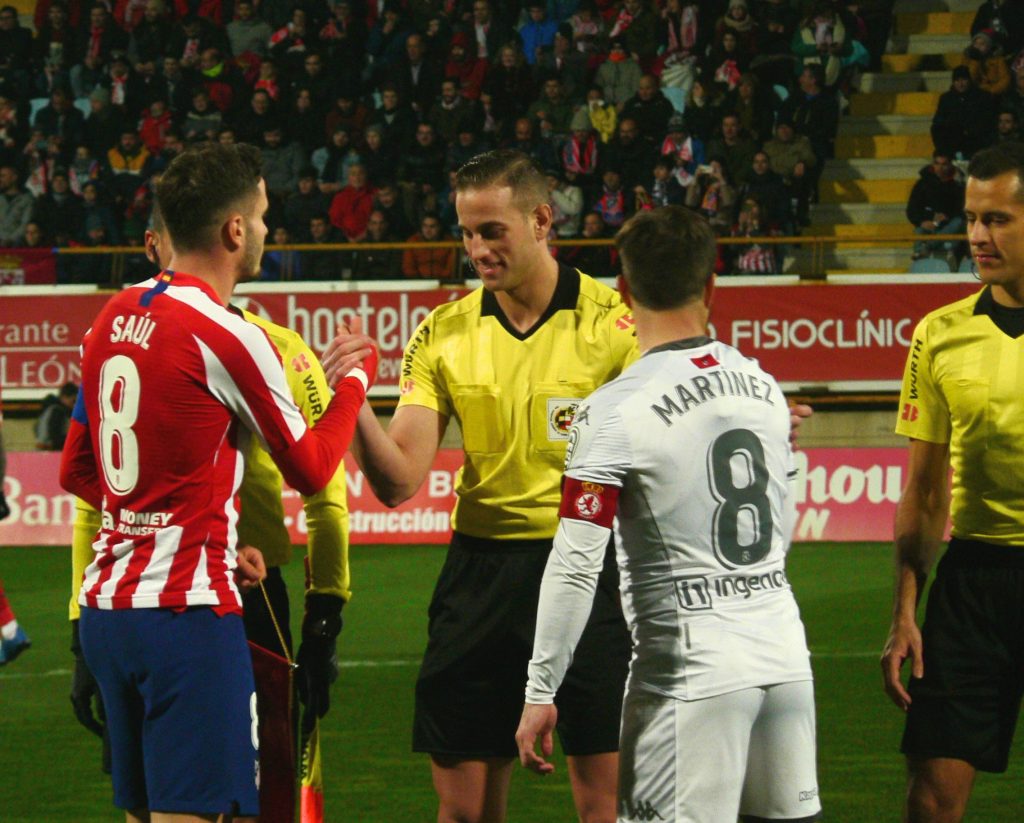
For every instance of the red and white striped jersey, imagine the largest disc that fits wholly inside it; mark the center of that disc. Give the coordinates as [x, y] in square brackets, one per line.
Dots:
[172, 385]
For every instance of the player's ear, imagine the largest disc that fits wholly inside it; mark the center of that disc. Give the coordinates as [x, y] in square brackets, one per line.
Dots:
[233, 232]
[542, 221]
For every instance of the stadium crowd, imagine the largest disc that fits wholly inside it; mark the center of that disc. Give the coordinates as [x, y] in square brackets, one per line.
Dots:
[362, 111]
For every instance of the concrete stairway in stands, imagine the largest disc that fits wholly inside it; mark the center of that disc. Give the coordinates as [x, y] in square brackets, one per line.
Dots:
[884, 139]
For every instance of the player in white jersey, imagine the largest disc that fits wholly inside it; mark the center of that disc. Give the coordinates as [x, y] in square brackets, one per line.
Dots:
[686, 457]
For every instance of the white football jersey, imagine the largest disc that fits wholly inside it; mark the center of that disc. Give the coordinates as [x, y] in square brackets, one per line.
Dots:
[696, 438]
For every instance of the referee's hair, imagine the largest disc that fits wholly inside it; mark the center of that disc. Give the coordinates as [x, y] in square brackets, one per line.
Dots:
[997, 160]
[506, 167]
[667, 254]
[201, 186]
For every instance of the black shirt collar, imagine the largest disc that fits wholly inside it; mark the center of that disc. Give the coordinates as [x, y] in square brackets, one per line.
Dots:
[1008, 320]
[681, 345]
[566, 296]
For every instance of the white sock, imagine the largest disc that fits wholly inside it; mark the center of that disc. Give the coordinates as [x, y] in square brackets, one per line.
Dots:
[8, 631]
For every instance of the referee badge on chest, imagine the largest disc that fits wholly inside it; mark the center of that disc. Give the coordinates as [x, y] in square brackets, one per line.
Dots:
[560, 414]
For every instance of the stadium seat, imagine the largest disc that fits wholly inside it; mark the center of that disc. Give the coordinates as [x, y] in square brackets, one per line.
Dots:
[677, 97]
[35, 104]
[929, 265]
[966, 265]
[83, 105]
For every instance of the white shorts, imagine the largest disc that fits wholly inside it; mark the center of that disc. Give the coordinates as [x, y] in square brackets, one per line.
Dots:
[749, 753]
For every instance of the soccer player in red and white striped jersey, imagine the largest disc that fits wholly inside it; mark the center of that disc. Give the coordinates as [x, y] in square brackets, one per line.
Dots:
[173, 385]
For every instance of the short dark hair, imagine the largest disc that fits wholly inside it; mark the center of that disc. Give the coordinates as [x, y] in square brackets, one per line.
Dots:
[999, 159]
[506, 168]
[199, 188]
[667, 254]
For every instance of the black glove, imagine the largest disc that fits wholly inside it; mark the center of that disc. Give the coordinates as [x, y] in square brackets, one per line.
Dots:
[84, 690]
[318, 656]
[5, 510]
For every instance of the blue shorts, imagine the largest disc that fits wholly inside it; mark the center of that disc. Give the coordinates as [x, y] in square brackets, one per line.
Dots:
[181, 708]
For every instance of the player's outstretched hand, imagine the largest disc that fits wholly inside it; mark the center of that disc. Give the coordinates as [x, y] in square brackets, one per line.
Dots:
[798, 412]
[85, 692]
[350, 354]
[318, 656]
[538, 720]
[904, 641]
[251, 570]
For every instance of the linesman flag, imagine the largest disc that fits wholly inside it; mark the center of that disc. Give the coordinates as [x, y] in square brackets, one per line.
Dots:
[312, 791]
[273, 675]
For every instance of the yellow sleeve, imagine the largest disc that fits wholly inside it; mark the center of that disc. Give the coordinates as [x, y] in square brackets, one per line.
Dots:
[327, 510]
[87, 524]
[924, 412]
[421, 384]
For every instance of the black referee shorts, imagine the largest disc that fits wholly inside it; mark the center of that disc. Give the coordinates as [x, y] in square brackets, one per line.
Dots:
[470, 691]
[966, 705]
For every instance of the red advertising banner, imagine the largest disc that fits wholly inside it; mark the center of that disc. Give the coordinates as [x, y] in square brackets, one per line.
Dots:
[841, 495]
[804, 334]
[20, 267]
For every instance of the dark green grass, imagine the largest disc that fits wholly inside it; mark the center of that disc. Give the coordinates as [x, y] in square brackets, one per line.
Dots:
[49, 766]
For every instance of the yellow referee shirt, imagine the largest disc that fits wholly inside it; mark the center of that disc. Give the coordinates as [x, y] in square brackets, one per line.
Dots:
[261, 523]
[964, 385]
[514, 395]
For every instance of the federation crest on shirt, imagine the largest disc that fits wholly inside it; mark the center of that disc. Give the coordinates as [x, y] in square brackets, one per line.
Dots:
[560, 414]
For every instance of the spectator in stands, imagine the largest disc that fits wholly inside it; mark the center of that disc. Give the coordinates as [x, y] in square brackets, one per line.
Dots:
[60, 117]
[385, 43]
[303, 204]
[551, 113]
[349, 113]
[150, 36]
[379, 158]
[305, 122]
[774, 61]
[351, 207]
[55, 50]
[526, 140]
[538, 32]
[452, 113]
[290, 43]
[687, 35]
[822, 40]
[281, 264]
[791, 156]
[713, 195]
[396, 119]
[1008, 127]
[604, 118]
[343, 41]
[323, 265]
[581, 154]
[649, 108]
[755, 108]
[596, 260]
[120, 82]
[102, 37]
[463, 67]
[661, 188]
[15, 208]
[250, 125]
[421, 171]
[588, 29]
[488, 32]
[104, 124]
[684, 150]
[640, 31]
[221, 79]
[59, 211]
[964, 120]
[268, 80]
[986, 64]
[35, 237]
[725, 63]
[1013, 98]
[566, 63]
[15, 48]
[703, 112]
[203, 120]
[97, 212]
[510, 85]
[84, 167]
[756, 258]
[377, 264]
[566, 204]
[13, 128]
[282, 163]
[248, 34]
[618, 76]
[630, 155]
[436, 264]
[332, 163]
[178, 85]
[127, 164]
[465, 147]
[735, 147]
[770, 191]
[742, 24]
[417, 79]
[814, 112]
[1006, 20]
[936, 206]
[614, 202]
[156, 120]
[388, 201]
[51, 429]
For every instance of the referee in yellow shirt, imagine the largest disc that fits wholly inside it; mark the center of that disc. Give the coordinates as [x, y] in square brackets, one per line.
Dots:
[510, 362]
[962, 405]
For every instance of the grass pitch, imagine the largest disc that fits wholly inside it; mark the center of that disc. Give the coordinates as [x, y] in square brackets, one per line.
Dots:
[49, 765]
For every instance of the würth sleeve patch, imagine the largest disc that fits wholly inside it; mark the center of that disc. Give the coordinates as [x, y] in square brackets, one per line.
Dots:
[590, 502]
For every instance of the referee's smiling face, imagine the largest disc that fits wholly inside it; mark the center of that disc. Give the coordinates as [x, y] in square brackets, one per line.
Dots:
[499, 238]
[994, 210]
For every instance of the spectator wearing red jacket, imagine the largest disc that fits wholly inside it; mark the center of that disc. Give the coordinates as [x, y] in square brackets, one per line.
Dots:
[351, 207]
[156, 120]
